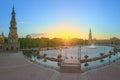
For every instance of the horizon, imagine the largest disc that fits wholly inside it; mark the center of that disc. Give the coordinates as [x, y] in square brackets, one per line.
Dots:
[63, 19]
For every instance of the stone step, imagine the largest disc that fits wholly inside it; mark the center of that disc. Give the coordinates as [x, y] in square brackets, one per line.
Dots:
[70, 69]
[72, 63]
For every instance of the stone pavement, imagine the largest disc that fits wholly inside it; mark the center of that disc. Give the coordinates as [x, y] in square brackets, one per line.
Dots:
[13, 66]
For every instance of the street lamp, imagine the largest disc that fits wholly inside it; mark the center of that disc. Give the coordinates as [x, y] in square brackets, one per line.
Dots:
[60, 51]
[65, 53]
[79, 53]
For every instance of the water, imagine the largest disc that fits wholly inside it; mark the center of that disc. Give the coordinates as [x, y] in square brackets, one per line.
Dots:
[73, 51]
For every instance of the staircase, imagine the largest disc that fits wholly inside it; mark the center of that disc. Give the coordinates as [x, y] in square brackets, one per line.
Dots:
[70, 66]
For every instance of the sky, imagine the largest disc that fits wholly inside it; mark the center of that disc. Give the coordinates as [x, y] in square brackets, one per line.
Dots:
[62, 18]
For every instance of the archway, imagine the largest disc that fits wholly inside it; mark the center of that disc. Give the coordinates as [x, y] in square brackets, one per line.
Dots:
[6, 49]
[12, 48]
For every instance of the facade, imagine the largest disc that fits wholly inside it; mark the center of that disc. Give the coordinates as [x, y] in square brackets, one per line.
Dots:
[12, 44]
[1, 41]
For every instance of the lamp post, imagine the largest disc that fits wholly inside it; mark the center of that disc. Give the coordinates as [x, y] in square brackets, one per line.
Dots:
[78, 53]
[60, 51]
[80, 57]
[65, 53]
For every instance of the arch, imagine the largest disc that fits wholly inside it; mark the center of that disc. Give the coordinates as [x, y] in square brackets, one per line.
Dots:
[0, 46]
[7, 49]
[12, 48]
[17, 49]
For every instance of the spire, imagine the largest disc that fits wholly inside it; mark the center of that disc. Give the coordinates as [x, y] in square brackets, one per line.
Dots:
[13, 6]
[13, 20]
[13, 11]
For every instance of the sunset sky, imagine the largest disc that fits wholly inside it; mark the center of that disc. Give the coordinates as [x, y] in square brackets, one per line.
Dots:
[63, 18]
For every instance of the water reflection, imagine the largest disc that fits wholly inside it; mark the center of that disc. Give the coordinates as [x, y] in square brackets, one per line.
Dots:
[84, 66]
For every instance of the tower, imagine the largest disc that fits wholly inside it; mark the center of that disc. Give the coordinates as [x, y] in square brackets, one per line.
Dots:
[90, 37]
[13, 43]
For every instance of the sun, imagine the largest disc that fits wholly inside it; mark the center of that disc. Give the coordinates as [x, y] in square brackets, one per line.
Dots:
[64, 30]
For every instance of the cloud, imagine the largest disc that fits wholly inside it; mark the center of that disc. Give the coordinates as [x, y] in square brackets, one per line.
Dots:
[39, 35]
[21, 22]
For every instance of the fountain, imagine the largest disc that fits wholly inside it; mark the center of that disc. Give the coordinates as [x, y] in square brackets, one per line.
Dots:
[92, 46]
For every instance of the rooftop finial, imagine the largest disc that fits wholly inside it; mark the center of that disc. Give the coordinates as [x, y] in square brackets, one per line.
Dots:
[13, 6]
[13, 11]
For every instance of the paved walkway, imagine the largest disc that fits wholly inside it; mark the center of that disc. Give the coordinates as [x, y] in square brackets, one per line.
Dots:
[13, 66]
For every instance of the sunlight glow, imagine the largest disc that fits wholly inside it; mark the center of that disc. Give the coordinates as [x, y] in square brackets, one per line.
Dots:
[65, 30]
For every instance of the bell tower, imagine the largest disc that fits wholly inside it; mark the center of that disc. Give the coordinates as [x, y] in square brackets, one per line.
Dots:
[13, 36]
[90, 37]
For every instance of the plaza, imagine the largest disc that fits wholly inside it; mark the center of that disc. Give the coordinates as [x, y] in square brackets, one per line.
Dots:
[14, 66]
[49, 40]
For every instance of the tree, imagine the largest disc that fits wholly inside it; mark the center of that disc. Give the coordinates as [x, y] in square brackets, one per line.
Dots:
[6, 40]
